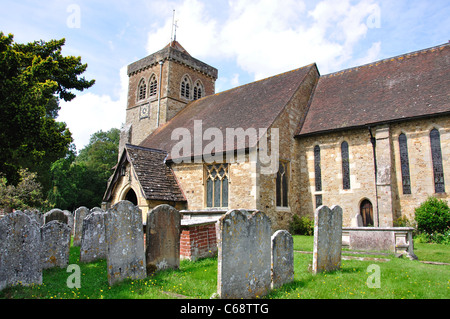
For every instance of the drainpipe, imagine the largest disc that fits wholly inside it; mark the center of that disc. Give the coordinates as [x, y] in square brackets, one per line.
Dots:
[374, 143]
[159, 93]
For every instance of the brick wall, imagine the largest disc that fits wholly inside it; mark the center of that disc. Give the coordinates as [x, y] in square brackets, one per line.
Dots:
[197, 241]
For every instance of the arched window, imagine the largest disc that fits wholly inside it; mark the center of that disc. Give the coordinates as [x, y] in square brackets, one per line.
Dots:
[153, 86]
[186, 88]
[142, 90]
[317, 169]
[404, 162]
[345, 166]
[282, 185]
[198, 91]
[217, 185]
[436, 156]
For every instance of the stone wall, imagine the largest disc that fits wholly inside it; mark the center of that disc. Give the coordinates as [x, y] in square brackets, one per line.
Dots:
[287, 124]
[391, 200]
[171, 101]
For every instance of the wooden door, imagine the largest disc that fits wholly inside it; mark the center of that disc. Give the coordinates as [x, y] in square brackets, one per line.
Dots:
[366, 211]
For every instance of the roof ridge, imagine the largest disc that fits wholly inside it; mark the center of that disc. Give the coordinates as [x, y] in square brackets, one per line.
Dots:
[264, 79]
[143, 148]
[397, 57]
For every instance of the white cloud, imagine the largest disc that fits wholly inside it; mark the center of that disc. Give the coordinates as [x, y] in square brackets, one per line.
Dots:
[267, 37]
[89, 113]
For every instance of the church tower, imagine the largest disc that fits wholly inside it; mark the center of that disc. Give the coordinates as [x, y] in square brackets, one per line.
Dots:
[161, 85]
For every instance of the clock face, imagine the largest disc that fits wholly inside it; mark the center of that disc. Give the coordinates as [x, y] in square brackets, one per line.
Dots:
[144, 111]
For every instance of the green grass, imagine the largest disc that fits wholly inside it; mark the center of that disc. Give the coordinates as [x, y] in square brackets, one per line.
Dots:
[399, 278]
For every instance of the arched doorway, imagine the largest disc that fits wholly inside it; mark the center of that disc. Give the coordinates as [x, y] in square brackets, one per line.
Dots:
[366, 211]
[131, 196]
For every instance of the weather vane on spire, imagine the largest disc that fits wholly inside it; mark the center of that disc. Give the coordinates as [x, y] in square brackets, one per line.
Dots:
[173, 36]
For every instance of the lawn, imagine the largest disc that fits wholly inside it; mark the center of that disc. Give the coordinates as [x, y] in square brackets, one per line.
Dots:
[399, 278]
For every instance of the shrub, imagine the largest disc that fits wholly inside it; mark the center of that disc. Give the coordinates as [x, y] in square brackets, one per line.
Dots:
[433, 216]
[301, 226]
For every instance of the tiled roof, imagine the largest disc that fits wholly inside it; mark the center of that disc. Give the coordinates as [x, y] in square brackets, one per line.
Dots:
[255, 105]
[404, 87]
[173, 52]
[157, 179]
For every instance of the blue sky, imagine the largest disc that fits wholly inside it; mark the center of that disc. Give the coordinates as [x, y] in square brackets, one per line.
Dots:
[245, 40]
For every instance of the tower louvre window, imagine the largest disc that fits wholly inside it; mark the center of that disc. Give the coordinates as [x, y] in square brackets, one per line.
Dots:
[153, 86]
[198, 91]
[186, 88]
[142, 91]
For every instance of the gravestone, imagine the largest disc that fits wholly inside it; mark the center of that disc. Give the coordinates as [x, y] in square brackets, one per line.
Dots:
[70, 220]
[36, 215]
[56, 214]
[55, 239]
[244, 258]
[327, 239]
[80, 215]
[282, 258]
[163, 239]
[125, 242]
[93, 240]
[20, 251]
[357, 221]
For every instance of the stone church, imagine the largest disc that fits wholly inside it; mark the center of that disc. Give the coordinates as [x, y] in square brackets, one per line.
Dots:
[374, 139]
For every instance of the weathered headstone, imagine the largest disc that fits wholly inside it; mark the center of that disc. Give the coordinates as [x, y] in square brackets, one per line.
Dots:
[125, 242]
[282, 258]
[357, 221]
[163, 239]
[56, 214]
[55, 239]
[36, 215]
[327, 239]
[20, 251]
[70, 220]
[244, 258]
[80, 215]
[93, 240]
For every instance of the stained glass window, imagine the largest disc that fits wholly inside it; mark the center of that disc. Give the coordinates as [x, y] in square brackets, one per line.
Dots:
[436, 156]
[317, 169]
[217, 185]
[282, 185]
[404, 162]
[345, 166]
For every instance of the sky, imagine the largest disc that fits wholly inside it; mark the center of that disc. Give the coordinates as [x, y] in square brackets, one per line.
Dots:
[246, 40]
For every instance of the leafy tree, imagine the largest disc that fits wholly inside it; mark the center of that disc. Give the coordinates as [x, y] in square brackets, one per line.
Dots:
[26, 195]
[433, 216]
[33, 77]
[81, 181]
